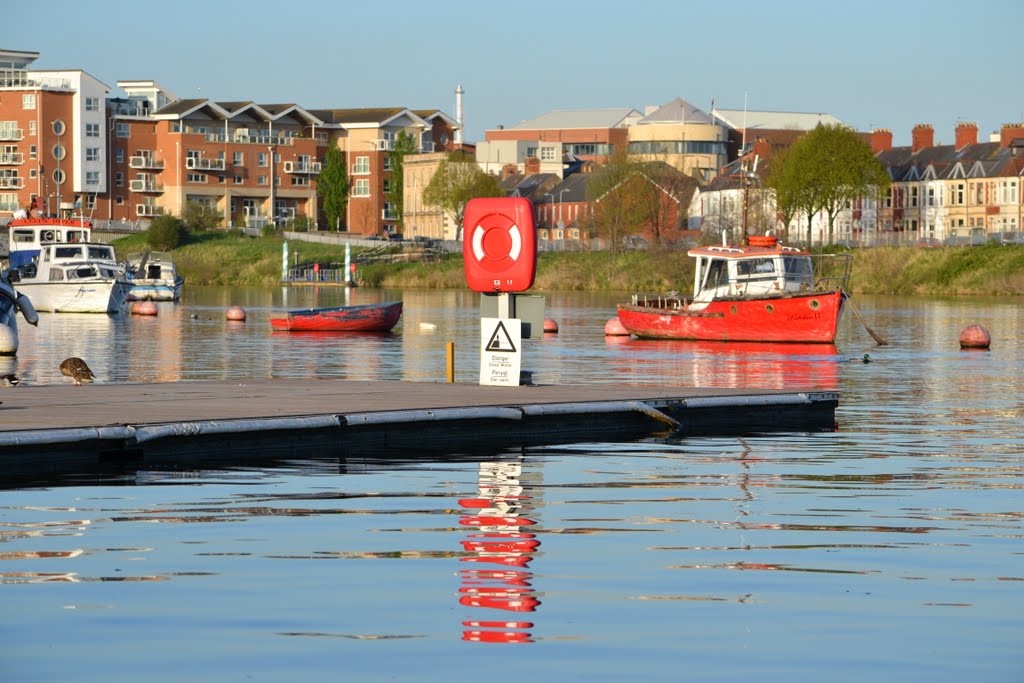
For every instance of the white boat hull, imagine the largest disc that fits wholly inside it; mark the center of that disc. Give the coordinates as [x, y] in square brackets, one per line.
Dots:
[101, 295]
[154, 290]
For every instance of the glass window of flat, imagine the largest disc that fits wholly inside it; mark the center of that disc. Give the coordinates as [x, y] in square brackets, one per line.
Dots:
[547, 153]
[31, 128]
[362, 165]
[92, 104]
[261, 180]
[92, 153]
[261, 160]
[31, 151]
[92, 130]
[361, 188]
[119, 155]
[122, 129]
[58, 152]
[119, 179]
[28, 101]
[238, 158]
[59, 176]
[92, 177]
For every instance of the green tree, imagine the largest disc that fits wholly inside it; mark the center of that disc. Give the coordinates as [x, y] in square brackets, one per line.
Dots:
[165, 232]
[201, 216]
[332, 184]
[827, 169]
[786, 187]
[404, 145]
[455, 182]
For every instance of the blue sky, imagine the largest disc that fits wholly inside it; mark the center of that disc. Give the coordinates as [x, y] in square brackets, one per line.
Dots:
[872, 64]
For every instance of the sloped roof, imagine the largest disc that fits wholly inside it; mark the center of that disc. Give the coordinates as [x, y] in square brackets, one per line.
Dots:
[181, 106]
[774, 120]
[534, 185]
[566, 119]
[676, 111]
[365, 115]
[573, 188]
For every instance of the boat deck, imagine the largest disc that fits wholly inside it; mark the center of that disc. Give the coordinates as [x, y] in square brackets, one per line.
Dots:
[67, 429]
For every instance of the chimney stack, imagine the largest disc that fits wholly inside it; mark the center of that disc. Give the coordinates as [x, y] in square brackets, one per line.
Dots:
[881, 140]
[966, 134]
[1011, 132]
[458, 114]
[922, 137]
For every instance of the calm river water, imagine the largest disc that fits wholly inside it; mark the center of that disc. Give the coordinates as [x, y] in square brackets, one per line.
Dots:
[890, 549]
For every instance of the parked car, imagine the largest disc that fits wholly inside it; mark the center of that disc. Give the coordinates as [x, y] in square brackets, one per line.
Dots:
[928, 242]
[1007, 237]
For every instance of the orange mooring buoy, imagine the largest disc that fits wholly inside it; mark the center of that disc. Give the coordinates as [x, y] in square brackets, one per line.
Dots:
[144, 308]
[975, 337]
[614, 328]
[550, 326]
[236, 313]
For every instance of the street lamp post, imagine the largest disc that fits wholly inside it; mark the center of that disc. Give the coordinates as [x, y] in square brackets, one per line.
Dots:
[560, 193]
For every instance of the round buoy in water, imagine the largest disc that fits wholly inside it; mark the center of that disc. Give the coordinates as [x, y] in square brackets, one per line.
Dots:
[144, 308]
[236, 313]
[550, 326]
[614, 328]
[975, 337]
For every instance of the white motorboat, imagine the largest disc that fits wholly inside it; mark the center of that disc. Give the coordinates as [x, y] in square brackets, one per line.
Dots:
[11, 302]
[80, 277]
[154, 277]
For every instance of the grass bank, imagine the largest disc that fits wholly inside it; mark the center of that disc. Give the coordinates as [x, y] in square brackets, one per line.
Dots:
[223, 259]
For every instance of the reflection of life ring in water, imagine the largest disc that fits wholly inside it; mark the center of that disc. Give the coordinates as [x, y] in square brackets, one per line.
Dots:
[762, 241]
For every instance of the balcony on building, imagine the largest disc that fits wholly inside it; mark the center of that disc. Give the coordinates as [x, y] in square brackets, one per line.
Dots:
[145, 159]
[11, 183]
[201, 164]
[12, 159]
[148, 210]
[145, 185]
[11, 134]
[307, 167]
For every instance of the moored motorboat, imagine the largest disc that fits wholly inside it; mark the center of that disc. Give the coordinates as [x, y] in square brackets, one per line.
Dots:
[11, 302]
[154, 277]
[380, 317]
[81, 277]
[761, 291]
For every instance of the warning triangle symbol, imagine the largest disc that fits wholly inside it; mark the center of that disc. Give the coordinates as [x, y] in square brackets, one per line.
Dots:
[500, 340]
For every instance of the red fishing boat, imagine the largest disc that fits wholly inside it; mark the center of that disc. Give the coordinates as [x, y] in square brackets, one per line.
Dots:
[366, 318]
[761, 291]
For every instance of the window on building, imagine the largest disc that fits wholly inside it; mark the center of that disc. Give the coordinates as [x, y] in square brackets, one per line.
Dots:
[362, 166]
[92, 104]
[119, 155]
[59, 176]
[32, 128]
[300, 180]
[238, 159]
[239, 180]
[119, 179]
[92, 153]
[58, 152]
[531, 152]
[196, 177]
[261, 160]
[387, 162]
[547, 153]
[387, 186]
[361, 188]
[28, 101]
[119, 200]
[389, 211]
[122, 130]
[31, 151]
[261, 180]
[92, 130]
[913, 196]
[8, 201]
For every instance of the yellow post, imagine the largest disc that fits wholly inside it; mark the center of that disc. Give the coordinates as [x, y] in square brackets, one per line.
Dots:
[450, 353]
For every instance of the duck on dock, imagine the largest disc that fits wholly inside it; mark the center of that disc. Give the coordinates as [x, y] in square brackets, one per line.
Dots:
[10, 380]
[77, 370]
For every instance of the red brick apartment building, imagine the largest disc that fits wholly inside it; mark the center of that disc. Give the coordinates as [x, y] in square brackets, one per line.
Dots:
[66, 147]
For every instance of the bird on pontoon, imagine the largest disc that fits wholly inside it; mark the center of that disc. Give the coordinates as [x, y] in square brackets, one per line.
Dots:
[77, 370]
[10, 380]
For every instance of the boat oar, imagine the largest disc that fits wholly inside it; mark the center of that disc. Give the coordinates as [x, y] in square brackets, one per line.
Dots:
[877, 337]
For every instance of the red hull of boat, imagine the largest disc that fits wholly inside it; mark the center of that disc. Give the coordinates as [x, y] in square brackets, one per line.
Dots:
[803, 318]
[368, 318]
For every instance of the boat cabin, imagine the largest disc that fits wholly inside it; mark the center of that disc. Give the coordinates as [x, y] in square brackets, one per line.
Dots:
[747, 272]
[27, 235]
[60, 262]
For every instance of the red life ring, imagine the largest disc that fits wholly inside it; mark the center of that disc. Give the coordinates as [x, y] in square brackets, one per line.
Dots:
[762, 241]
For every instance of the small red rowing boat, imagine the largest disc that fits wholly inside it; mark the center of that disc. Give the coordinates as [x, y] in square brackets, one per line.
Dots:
[365, 318]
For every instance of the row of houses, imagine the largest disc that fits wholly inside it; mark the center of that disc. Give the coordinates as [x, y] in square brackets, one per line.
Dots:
[67, 145]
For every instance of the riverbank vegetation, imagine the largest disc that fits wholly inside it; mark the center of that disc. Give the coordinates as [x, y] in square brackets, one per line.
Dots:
[219, 258]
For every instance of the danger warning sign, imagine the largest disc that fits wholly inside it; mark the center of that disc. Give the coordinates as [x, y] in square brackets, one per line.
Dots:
[500, 358]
